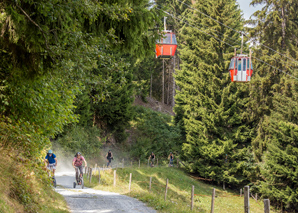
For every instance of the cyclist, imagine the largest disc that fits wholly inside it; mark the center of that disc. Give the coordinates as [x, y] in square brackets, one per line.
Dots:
[152, 157]
[171, 158]
[77, 163]
[109, 157]
[51, 161]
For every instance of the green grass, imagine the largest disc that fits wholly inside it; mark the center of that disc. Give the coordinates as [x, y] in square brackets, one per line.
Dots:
[179, 191]
[23, 190]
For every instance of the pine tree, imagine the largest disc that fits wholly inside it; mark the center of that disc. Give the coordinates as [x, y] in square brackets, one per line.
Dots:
[209, 106]
[273, 104]
[111, 99]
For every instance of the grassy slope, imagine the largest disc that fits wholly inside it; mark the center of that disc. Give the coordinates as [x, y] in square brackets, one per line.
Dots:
[23, 191]
[178, 199]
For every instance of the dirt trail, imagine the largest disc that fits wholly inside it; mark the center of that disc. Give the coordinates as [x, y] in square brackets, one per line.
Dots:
[89, 201]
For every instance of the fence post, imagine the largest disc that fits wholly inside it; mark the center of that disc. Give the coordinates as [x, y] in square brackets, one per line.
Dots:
[224, 186]
[166, 189]
[131, 163]
[212, 200]
[139, 163]
[266, 206]
[256, 196]
[240, 192]
[85, 169]
[192, 196]
[150, 181]
[123, 163]
[90, 176]
[115, 177]
[246, 199]
[98, 176]
[156, 161]
[130, 181]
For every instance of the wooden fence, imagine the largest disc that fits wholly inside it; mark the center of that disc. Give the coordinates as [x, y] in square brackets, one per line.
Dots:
[246, 191]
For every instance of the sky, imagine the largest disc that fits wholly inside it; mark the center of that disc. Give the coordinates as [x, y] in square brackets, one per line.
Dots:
[247, 9]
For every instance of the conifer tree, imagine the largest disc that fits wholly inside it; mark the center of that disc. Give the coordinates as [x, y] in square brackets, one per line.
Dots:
[209, 106]
[273, 103]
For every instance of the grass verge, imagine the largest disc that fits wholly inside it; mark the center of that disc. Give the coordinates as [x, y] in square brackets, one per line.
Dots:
[25, 188]
[179, 190]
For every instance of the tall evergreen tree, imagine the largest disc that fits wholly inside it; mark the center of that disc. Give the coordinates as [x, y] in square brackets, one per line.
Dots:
[273, 105]
[209, 106]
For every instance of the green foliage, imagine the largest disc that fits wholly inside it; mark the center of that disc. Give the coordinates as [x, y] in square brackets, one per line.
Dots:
[154, 132]
[273, 102]
[112, 98]
[146, 72]
[280, 165]
[86, 140]
[208, 106]
[57, 42]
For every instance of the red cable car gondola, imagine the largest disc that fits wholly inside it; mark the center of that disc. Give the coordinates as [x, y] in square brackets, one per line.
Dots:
[166, 46]
[241, 68]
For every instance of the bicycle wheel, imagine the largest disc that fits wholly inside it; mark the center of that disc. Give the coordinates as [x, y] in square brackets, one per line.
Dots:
[82, 183]
[54, 182]
[74, 184]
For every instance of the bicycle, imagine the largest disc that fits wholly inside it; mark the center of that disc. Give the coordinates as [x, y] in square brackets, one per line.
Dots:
[152, 162]
[79, 179]
[54, 182]
[109, 161]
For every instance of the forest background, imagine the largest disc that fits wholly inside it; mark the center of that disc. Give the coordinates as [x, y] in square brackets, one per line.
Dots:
[70, 72]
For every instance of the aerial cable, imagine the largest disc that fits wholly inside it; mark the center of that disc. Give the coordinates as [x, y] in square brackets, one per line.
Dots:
[209, 16]
[222, 35]
[196, 28]
[226, 43]
[241, 33]
[275, 68]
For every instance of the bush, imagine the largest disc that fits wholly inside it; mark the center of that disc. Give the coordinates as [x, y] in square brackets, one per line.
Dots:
[81, 139]
[154, 132]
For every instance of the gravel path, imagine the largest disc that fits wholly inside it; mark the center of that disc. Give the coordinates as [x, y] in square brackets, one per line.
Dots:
[88, 200]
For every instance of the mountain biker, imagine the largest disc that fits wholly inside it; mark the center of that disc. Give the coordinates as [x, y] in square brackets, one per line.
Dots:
[51, 161]
[152, 157]
[77, 163]
[171, 158]
[109, 157]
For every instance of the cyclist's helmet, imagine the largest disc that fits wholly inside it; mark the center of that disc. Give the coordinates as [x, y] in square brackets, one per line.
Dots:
[50, 152]
[78, 153]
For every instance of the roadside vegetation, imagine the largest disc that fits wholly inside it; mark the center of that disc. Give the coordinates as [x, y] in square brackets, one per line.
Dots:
[179, 191]
[25, 188]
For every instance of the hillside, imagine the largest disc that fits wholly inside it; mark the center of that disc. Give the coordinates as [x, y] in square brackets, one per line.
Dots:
[154, 105]
[178, 194]
[24, 188]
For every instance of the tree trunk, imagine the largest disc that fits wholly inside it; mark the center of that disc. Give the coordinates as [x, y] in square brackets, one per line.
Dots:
[174, 85]
[163, 82]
